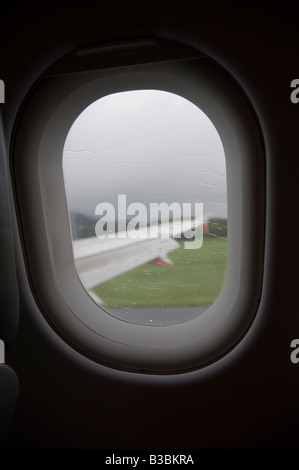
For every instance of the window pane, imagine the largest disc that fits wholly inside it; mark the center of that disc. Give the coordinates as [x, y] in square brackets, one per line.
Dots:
[145, 181]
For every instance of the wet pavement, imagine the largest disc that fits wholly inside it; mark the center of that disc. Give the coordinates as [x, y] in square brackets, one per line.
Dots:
[158, 316]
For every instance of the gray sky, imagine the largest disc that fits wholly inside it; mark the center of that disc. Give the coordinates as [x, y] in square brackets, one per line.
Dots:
[151, 145]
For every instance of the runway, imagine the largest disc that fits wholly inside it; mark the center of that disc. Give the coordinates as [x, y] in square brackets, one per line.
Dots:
[158, 316]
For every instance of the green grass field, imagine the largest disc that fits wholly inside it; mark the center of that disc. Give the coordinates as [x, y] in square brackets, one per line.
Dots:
[195, 279]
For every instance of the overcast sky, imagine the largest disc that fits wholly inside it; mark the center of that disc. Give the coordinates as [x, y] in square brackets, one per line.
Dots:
[152, 146]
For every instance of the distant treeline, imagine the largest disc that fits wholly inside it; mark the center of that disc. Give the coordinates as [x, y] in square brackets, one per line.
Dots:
[218, 227]
[83, 226]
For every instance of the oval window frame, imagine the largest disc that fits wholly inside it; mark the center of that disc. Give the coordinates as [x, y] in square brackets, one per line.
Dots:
[40, 197]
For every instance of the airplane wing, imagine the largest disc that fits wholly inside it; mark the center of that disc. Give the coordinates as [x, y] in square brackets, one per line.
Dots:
[99, 259]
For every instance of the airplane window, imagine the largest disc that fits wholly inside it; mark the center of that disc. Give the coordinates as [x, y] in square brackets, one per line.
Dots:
[147, 185]
[145, 180]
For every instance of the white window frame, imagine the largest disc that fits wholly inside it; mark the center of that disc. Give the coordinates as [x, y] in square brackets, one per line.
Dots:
[39, 139]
